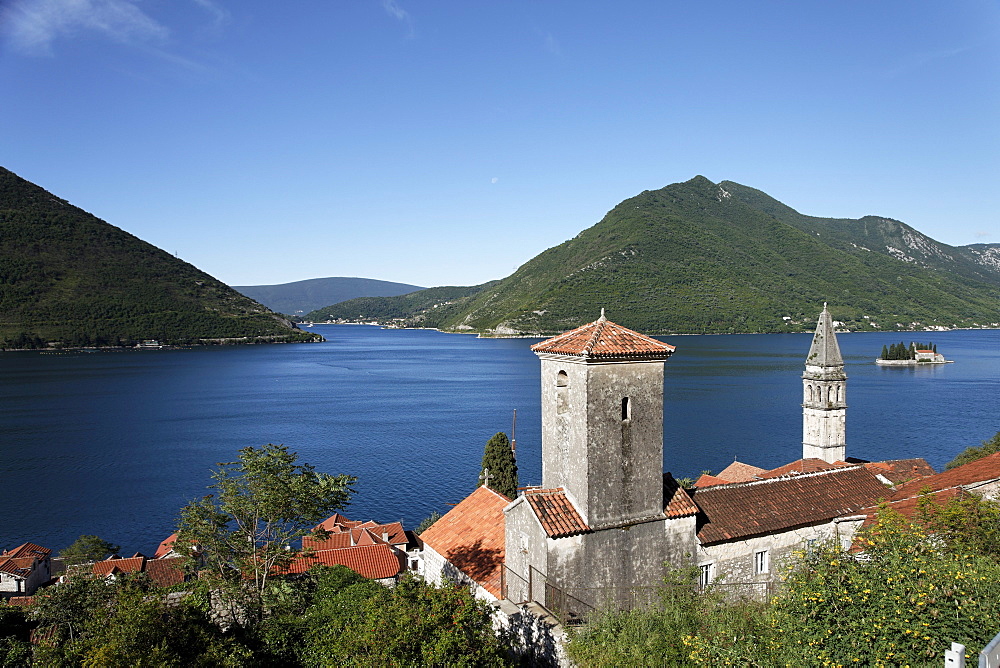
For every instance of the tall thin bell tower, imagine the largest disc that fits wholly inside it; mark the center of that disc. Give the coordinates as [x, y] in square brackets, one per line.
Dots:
[824, 396]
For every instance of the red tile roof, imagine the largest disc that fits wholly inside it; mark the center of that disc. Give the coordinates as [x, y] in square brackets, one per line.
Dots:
[740, 472]
[900, 470]
[705, 480]
[28, 550]
[165, 546]
[334, 541]
[908, 506]
[604, 339]
[980, 470]
[743, 510]
[799, 466]
[114, 565]
[556, 512]
[165, 572]
[23, 601]
[678, 501]
[14, 567]
[371, 561]
[471, 537]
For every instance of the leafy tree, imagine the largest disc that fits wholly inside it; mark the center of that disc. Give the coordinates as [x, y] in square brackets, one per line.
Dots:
[90, 621]
[361, 623]
[15, 631]
[885, 352]
[244, 531]
[972, 453]
[86, 549]
[498, 459]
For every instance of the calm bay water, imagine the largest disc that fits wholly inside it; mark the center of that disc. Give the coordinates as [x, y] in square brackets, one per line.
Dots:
[114, 443]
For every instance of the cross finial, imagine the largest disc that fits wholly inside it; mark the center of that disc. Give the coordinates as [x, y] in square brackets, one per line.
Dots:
[486, 477]
[602, 314]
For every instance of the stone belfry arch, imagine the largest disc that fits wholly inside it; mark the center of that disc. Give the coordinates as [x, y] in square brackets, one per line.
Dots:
[824, 396]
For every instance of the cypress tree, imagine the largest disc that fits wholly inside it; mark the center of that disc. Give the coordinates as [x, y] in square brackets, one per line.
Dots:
[885, 352]
[499, 459]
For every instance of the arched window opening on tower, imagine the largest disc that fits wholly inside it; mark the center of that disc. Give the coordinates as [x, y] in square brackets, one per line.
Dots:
[626, 409]
[562, 379]
[810, 388]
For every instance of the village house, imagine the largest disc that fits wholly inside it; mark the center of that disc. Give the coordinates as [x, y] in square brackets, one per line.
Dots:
[24, 569]
[607, 524]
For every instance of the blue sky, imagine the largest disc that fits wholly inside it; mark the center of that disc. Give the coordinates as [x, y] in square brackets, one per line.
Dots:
[444, 143]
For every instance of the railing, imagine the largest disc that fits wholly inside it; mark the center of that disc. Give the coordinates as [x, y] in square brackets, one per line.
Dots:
[573, 605]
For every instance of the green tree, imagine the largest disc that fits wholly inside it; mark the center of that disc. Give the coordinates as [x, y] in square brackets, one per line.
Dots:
[498, 460]
[361, 623]
[972, 453]
[885, 352]
[90, 621]
[86, 549]
[262, 503]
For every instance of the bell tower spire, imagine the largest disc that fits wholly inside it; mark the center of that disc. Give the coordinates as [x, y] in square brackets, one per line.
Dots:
[824, 388]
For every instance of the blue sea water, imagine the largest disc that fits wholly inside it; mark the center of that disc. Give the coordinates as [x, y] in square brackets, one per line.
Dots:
[114, 443]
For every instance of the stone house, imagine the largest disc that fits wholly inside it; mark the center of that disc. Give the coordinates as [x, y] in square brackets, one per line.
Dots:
[24, 569]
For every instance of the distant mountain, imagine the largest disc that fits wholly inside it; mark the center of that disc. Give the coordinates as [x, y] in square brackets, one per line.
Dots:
[68, 277]
[700, 257]
[423, 308]
[303, 296]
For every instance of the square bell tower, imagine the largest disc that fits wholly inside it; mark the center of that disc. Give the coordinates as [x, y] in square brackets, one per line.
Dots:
[602, 421]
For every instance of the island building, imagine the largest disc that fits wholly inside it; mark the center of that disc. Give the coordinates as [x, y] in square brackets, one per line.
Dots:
[607, 524]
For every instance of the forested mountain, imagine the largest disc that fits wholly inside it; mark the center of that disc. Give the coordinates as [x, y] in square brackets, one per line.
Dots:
[700, 257]
[423, 308]
[69, 277]
[303, 296]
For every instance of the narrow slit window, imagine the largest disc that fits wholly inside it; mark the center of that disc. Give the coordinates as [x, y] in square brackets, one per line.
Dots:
[626, 409]
[761, 562]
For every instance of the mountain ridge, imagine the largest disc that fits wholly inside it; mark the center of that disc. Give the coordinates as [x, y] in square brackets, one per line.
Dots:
[69, 278]
[701, 257]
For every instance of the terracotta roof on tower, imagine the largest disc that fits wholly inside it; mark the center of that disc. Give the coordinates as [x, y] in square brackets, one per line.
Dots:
[744, 510]
[471, 537]
[555, 512]
[604, 339]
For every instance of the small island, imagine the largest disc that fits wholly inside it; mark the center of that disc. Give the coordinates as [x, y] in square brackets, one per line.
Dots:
[898, 354]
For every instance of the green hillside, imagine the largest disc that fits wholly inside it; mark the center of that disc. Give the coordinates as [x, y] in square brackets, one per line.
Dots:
[422, 308]
[68, 277]
[699, 257]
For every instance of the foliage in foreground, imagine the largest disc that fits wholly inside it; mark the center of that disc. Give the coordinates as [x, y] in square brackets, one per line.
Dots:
[917, 587]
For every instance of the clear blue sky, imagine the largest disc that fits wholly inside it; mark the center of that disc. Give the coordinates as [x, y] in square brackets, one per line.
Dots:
[449, 142]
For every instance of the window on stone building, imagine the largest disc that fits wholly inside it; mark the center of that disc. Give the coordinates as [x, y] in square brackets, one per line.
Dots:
[761, 562]
[706, 575]
[626, 409]
[562, 379]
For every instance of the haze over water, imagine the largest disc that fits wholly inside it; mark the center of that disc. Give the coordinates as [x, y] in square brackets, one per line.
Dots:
[114, 443]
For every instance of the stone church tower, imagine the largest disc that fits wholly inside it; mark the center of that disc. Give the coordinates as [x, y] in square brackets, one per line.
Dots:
[824, 387]
[602, 421]
[606, 518]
